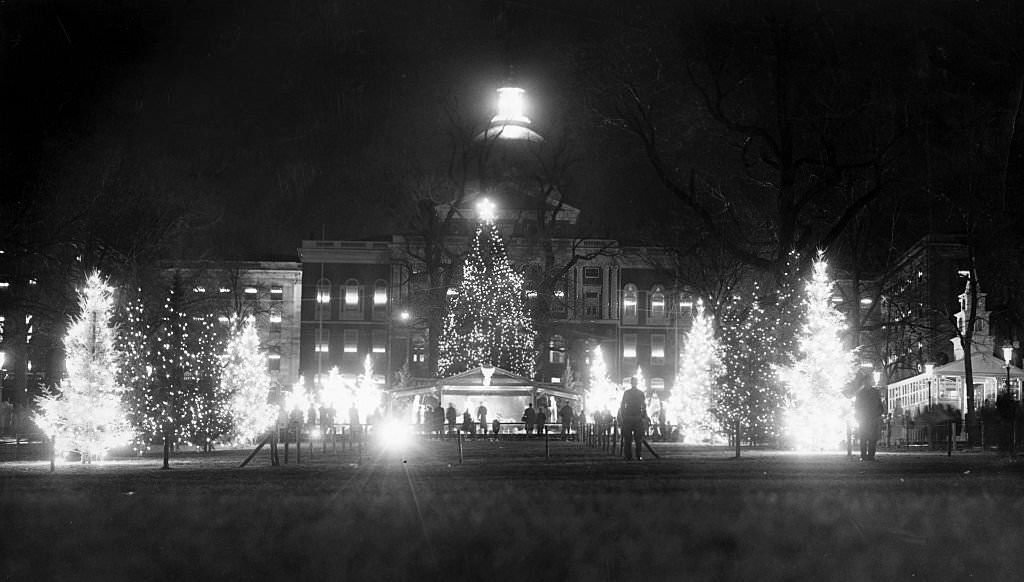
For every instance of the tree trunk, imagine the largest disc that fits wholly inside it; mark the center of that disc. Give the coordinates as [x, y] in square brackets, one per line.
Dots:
[167, 452]
[739, 434]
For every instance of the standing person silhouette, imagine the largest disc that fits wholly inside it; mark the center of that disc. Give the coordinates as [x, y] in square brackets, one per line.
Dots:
[481, 416]
[529, 417]
[452, 417]
[868, 408]
[632, 418]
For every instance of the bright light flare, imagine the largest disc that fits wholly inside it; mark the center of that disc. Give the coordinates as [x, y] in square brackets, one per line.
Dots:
[394, 435]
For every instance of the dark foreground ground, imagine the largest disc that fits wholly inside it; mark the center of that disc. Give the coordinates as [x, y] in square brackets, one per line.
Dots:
[509, 513]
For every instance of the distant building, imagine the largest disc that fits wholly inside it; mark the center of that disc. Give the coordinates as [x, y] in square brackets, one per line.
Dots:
[270, 291]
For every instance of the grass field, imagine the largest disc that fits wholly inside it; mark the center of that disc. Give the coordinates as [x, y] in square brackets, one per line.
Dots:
[509, 513]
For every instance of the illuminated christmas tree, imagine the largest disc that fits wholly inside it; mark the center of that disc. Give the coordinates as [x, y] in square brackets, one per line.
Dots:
[822, 368]
[603, 395]
[134, 346]
[246, 382]
[85, 413]
[486, 322]
[694, 391]
[179, 401]
[207, 414]
[748, 397]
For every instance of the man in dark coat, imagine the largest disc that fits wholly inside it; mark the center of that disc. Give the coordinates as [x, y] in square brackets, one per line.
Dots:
[867, 406]
[452, 416]
[632, 418]
[529, 417]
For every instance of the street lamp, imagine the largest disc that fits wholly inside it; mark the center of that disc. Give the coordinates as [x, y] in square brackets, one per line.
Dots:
[929, 369]
[1008, 355]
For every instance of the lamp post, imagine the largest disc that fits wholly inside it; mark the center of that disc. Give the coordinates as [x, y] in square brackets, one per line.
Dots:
[1009, 404]
[929, 369]
[1007, 356]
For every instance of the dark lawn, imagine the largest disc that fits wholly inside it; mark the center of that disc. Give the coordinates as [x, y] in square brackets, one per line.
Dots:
[507, 513]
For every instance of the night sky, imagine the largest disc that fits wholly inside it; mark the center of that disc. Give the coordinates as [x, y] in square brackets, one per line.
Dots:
[269, 121]
[238, 128]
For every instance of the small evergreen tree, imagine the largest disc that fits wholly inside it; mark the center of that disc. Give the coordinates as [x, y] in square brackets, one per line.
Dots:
[246, 383]
[748, 398]
[85, 413]
[694, 391]
[822, 369]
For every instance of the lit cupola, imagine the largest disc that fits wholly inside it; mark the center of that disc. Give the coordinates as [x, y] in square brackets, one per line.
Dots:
[511, 123]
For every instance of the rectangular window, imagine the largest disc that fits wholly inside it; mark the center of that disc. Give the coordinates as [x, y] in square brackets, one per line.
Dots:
[323, 341]
[379, 341]
[274, 362]
[275, 321]
[592, 304]
[276, 293]
[380, 296]
[591, 275]
[351, 341]
[629, 345]
[558, 304]
[250, 290]
[657, 349]
[351, 296]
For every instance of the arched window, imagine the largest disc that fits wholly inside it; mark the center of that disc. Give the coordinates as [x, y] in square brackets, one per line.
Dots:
[351, 298]
[323, 299]
[380, 294]
[658, 304]
[629, 303]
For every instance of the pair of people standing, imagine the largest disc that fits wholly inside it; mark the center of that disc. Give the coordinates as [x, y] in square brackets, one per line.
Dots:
[535, 418]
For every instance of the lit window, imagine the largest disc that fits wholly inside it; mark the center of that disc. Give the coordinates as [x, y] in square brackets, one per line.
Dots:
[419, 350]
[556, 380]
[274, 362]
[351, 295]
[277, 293]
[199, 289]
[251, 290]
[629, 300]
[323, 341]
[658, 304]
[629, 345]
[380, 294]
[223, 319]
[4, 284]
[379, 341]
[224, 290]
[657, 349]
[556, 347]
[323, 299]
[351, 341]
[275, 317]
[323, 291]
